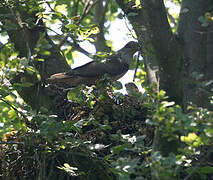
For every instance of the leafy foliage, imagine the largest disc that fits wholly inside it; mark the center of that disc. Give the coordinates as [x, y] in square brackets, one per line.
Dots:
[119, 131]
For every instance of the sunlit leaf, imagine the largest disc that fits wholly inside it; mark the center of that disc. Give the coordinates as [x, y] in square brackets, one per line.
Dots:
[167, 104]
[45, 52]
[138, 3]
[192, 139]
[61, 8]
[40, 59]
[161, 94]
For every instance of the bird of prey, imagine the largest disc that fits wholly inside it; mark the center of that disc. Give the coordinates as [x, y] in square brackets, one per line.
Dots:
[115, 66]
[131, 88]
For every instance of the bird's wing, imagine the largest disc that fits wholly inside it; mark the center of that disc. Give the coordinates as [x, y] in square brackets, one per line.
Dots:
[90, 72]
[112, 66]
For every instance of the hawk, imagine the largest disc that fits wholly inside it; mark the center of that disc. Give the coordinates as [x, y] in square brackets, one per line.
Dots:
[115, 66]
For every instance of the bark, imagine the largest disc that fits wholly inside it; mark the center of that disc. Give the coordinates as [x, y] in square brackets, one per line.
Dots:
[198, 54]
[177, 57]
[160, 49]
[140, 23]
[167, 49]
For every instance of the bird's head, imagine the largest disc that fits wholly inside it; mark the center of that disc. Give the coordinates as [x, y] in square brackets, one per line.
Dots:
[128, 51]
[132, 47]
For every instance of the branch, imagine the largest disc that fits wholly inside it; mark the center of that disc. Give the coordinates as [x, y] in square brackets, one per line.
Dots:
[64, 39]
[140, 24]
[76, 5]
[17, 111]
[172, 19]
[79, 48]
[137, 64]
[3, 142]
[87, 9]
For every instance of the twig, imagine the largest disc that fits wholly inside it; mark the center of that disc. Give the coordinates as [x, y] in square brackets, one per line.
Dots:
[172, 19]
[2, 45]
[137, 64]
[87, 9]
[4, 142]
[78, 48]
[53, 31]
[10, 105]
[76, 7]
[16, 110]
[50, 6]
[128, 27]
[74, 44]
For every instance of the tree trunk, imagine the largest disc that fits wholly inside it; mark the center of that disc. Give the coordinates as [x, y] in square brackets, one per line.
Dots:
[171, 59]
[161, 50]
[197, 52]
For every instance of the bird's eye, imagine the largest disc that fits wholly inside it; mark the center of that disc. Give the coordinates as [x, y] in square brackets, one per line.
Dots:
[131, 45]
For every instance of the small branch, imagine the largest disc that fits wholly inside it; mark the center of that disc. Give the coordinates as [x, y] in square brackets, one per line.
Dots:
[100, 10]
[78, 48]
[53, 31]
[10, 105]
[2, 45]
[137, 64]
[76, 5]
[130, 31]
[87, 9]
[3, 142]
[17, 111]
[172, 19]
[49, 39]
[50, 6]
[74, 44]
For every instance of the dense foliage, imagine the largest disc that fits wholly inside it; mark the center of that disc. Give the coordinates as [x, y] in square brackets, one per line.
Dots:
[88, 132]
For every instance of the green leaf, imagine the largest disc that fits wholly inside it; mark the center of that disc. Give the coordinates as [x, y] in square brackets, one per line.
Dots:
[206, 170]
[69, 55]
[45, 52]
[161, 94]
[138, 3]
[132, 14]
[4, 93]
[203, 21]
[12, 114]
[40, 60]
[30, 70]
[25, 84]
[117, 85]
[119, 148]
[72, 27]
